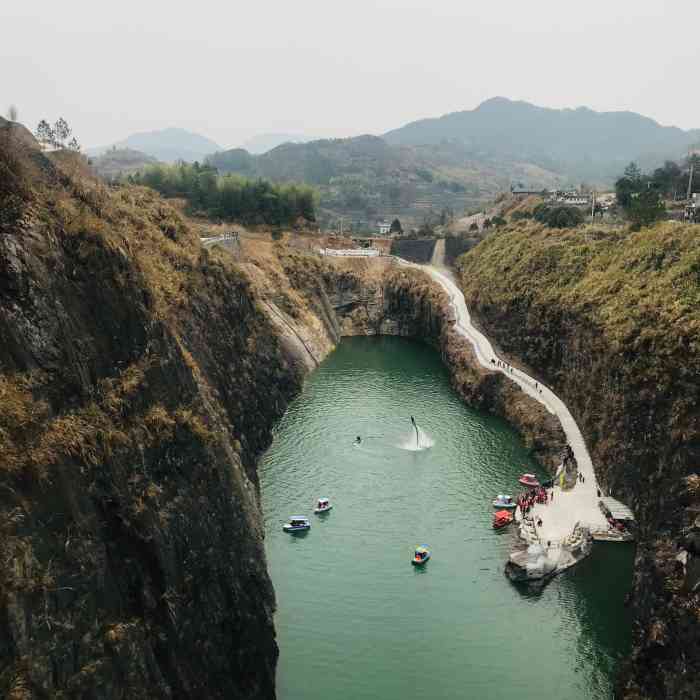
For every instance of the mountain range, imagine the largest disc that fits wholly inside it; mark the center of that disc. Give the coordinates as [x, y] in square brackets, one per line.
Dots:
[454, 162]
[575, 142]
[167, 145]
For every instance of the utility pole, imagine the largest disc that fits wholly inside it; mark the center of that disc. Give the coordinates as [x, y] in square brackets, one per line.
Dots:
[592, 205]
[689, 194]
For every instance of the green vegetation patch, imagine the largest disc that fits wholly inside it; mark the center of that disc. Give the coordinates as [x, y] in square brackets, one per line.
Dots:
[641, 289]
[231, 197]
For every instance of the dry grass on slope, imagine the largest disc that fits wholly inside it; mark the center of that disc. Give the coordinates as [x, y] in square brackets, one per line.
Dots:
[637, 287]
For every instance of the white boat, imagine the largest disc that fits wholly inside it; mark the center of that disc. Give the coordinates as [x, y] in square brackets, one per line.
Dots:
[297, 523]
[503, 501]
[323, 506]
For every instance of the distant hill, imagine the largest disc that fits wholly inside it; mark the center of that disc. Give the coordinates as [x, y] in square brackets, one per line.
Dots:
[167, 145]
[262, 143]
[365, 178]
[117, 162]
[576, 142]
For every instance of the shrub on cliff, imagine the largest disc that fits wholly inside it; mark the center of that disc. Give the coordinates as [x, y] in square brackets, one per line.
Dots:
[15, 191]
[558, 217]
[231, 197]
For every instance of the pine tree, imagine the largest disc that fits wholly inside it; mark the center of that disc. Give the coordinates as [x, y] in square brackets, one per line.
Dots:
[62, 132]
[45, 134]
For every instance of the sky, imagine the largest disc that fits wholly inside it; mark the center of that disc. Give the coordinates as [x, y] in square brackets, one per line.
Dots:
[232, 69]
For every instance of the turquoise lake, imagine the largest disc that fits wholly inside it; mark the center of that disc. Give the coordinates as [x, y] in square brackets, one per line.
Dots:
[355, 620]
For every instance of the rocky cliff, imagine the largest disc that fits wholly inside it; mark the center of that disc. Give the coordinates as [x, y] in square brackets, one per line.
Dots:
[610, 320]
[139, 381]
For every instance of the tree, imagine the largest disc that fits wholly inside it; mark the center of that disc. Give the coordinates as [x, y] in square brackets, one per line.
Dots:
[628, 185]
[74, 145]
[498, 221]
[446, 216]
[396, 227]
[62, 132]
[640, 196]
[12, 113]
[474, 226]
[487, 224]
[45, 134]
[426, 229]
[633, 172]
[564, 217]
[558, 217]
[646, 208]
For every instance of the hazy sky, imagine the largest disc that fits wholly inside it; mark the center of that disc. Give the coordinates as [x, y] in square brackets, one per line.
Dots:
[230, 69]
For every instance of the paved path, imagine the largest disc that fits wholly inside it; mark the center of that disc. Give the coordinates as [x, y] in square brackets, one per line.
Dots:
[569, 507]
[438, 259]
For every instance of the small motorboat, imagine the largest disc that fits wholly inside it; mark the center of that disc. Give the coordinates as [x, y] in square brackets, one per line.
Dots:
[421, 555]
[529, 480]
[501, 519]
[323, 506]
[297, 523]
[503, 501]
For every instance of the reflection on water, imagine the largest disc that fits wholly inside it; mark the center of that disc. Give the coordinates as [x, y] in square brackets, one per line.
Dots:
[355, 618]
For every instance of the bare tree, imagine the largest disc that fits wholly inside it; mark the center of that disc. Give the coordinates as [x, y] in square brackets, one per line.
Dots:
[12, 113]
[74, 145]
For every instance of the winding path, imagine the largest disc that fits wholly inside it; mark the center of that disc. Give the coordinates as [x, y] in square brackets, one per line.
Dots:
[580, 504]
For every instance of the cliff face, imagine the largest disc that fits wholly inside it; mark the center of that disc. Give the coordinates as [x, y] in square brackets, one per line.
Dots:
[610, 320]
[139, 380]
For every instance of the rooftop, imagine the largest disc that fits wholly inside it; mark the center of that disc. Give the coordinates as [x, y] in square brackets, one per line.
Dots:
[618, 510]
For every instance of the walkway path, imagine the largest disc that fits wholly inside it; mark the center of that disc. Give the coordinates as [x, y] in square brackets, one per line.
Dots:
[569, 507]
[438, 259]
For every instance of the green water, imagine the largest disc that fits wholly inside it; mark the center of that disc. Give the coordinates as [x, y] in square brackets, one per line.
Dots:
[355, 620]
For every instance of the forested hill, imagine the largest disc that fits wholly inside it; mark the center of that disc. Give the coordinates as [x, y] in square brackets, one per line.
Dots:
[578, 142]
[370, 178]
[315, 162]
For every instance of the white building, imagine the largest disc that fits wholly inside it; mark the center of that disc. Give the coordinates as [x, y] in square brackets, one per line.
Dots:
[384, 228]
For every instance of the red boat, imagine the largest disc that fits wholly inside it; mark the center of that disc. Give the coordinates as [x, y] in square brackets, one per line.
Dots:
[529, 480]
[502, 518]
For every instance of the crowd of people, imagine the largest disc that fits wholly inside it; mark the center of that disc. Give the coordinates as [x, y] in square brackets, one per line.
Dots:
[526, 500]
